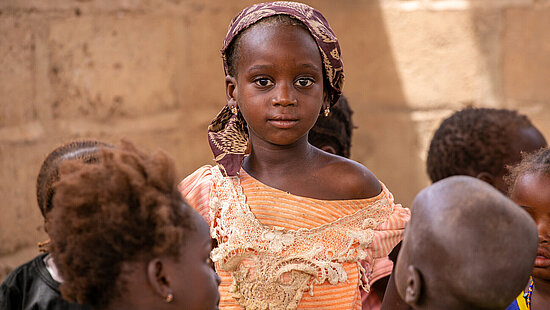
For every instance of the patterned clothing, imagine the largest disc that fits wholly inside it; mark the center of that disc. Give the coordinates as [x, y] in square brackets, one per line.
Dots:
[519, 303]
[288, 251]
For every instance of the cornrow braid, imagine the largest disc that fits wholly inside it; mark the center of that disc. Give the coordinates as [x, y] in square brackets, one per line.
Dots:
[86, 150]
[472, 141]
[334, 130]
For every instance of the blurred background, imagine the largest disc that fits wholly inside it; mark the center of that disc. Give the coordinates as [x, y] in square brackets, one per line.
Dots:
[151, 71]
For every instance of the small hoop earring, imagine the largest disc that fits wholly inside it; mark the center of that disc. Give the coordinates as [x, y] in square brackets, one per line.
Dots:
[327, 111]
[169, 298]
[234, 110]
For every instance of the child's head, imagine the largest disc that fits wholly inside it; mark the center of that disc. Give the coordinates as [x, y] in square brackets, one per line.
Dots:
[283, 68]
[480, 142]
[333, 133]
[467, 246]
[86, 151]
[530, 188]
[122, 235]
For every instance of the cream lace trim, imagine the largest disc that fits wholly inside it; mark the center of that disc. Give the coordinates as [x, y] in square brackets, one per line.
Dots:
[272, 266]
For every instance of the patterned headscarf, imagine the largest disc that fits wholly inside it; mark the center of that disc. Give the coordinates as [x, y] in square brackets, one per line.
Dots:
[227, 133]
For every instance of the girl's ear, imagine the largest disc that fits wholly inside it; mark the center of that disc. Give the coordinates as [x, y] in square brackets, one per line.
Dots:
[414, 286]
[230, 90]
[158, 278]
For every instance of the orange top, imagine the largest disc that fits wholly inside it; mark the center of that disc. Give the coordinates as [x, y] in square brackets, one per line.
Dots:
[297, 216]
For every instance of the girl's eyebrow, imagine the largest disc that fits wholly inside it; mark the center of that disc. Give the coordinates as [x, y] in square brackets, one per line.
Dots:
[259, 67]
[263, 67]
[526, 207]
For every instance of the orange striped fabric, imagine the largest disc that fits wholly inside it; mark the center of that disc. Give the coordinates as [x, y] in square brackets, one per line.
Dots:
[273, 207]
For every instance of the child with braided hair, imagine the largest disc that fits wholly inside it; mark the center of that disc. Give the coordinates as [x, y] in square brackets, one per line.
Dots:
[292, 222]
[35, 284]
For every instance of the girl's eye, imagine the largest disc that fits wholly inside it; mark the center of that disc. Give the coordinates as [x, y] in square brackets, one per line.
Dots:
[304, 82]
[263, 82]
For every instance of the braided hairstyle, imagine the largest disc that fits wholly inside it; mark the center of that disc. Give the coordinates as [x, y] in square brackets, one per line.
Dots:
[537, 162]
[124, 209]
[87, 151]
[334, 130]
[472, 141]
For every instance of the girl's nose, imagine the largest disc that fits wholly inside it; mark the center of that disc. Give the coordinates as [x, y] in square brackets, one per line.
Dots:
[284, 96]
[544, 231]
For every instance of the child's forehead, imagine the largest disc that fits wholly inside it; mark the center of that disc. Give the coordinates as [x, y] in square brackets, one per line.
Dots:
[314, 21]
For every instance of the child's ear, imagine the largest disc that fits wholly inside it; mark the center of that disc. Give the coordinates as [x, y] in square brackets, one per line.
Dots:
[414, 286]
[158, 279]
[230, 90]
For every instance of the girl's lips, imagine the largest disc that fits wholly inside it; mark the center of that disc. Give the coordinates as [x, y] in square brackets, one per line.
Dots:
[543, 258]
[542, 262]
[283, 123]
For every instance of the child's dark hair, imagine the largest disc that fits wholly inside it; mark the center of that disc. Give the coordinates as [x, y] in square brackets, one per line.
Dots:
[537, 162]
[124, 209]
[472, 141]
[87, 151]
[232, 52]
[334, 130]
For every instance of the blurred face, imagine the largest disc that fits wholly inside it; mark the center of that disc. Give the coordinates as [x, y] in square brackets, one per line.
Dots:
[196, 282]
[532, 192]
[279, 83]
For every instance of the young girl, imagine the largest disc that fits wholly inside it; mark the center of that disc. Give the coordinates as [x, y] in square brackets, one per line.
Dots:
[291, 221]
[530, 188]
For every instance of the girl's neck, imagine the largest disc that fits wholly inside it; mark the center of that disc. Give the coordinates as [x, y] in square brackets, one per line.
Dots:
[273, 159]
[541, 294]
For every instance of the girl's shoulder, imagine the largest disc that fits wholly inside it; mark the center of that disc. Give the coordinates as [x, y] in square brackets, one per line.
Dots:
[352, 179]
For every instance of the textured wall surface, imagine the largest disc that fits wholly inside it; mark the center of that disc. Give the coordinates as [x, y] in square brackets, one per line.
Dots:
[150, 71]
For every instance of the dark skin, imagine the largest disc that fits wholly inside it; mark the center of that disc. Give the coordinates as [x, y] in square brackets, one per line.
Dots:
[279, 90]
[432, 250]
[531, 192]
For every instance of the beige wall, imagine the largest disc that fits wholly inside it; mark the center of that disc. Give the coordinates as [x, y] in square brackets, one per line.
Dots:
[150, 70]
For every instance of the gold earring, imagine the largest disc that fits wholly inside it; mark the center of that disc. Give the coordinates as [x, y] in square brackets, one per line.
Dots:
[169, 298]
[234, 110]
[327, 111]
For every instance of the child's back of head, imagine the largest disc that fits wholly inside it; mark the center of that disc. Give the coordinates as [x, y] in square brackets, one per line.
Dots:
[467, 246]
[480, 142]
[332, 133]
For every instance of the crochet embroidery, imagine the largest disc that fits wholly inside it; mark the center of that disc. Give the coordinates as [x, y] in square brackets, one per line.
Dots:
[271, 266]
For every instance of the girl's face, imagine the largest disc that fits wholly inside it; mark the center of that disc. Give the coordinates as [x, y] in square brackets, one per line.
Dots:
[532, 192]
[279, 83]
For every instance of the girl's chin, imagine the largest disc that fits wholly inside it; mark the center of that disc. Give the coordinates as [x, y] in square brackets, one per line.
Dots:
[541, 273]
